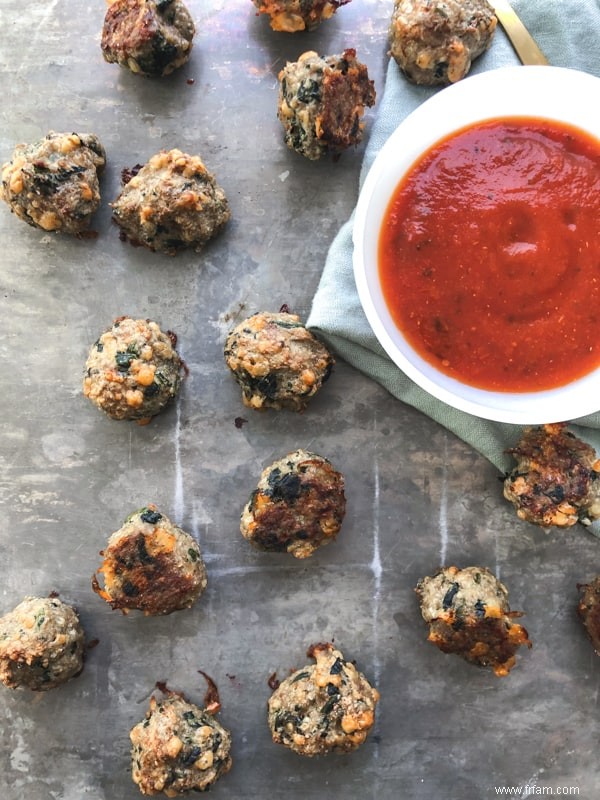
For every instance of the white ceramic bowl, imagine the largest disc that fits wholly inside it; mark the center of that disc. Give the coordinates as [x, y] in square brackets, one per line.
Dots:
[551, 93]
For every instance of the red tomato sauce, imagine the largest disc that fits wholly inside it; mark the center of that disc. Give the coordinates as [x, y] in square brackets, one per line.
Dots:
[489, 255]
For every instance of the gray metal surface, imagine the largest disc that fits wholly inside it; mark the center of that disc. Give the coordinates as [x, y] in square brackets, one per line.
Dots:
[416, 495]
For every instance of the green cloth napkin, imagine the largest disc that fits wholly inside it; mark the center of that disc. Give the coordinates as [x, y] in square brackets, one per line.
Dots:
[568, 32]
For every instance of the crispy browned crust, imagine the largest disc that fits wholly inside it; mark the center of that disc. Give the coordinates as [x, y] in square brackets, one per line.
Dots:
[301, 513]
[150, 583]
[345, 95]
[556, 479]
[588, 610]
[125, 28]
[151, 38]
[297, 15]
[488, 642]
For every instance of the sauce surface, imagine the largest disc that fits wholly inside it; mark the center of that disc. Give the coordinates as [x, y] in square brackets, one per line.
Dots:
[489, 255]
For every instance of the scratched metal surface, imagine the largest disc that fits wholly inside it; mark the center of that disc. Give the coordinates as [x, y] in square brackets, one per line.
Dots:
[417, 497]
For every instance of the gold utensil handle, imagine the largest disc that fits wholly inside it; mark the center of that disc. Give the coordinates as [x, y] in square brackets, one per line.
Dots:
[519, 36]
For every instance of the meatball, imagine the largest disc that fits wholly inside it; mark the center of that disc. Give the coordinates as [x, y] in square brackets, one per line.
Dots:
[53, 184]
[41, 644]
[178, 747]
[133, 370]
[172, 203]
[468, 614]
[151, 565]
[589, 610]
[435, 41]
[322, 101]
[297, 15]
[277, 362]
[150, 37]
[298, 506]
[327, 707]
[556, 481]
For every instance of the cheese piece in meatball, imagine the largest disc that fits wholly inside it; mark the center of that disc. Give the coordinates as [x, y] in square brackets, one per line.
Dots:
[434, 42]
[172, 203]
[297, 15]
[298, 506]
[53, 184]
[133, 370]
[178, 748]
[41, 644]
[277, 362]
[149, 37]
[322, 101]
[326, 707]
[151, 565]
[588, 610]
[556, 480]
[468, 614]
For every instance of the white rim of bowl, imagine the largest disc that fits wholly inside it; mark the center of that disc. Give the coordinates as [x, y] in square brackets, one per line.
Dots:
[552, 93]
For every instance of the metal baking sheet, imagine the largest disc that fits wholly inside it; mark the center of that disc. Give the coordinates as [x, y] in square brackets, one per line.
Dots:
[417, 496]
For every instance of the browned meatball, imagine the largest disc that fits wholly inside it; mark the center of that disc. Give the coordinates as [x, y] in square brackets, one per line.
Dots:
[298, 506]
[327, 707]
[53, 184]
[133, 370]
[150, 37]
[556, 481]
[277, 362]
[468, 614]
[151, 565]
[297, 15]
[589, 610]
[435, 41]
[322, 101]
[173, 202]
[41, 644]
[178, 747]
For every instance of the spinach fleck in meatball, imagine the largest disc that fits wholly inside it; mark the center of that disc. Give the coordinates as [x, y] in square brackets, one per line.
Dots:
[52, 184]
[133, 370]
[468, 614]
[150, 37]
[41, 644]
[178, 747]
[298, 506]
[277, 362]
[588, 610]
[556, 481]
[297, 15]
[151, 565]
[326, 707]
[322, 101]
[435, 41]
[172, 203]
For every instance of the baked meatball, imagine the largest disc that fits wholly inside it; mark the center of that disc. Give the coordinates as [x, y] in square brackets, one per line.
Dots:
[327, 707]
[133, 370]
[435, 41]
[298, 506]
[322, 101]
[589, 610]
[178, 747]
[556, 481]
[277, 362]
[468, 614]
[53, 184]
[297, 15]
[41, 644]
[172, 203]
[150, 37]
[151, 565]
